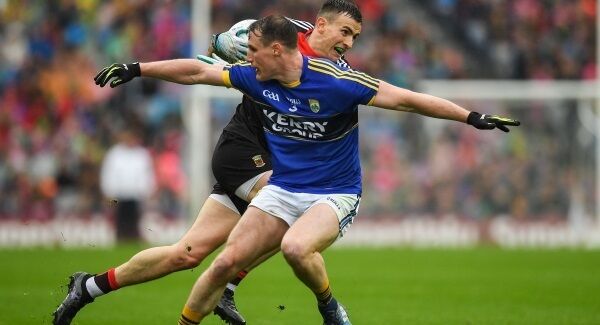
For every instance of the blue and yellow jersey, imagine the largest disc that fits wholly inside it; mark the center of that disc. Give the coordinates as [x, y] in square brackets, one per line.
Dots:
[311, 126]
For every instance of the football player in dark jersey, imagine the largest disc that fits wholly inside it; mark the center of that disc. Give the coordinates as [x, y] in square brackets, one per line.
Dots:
[241, 164]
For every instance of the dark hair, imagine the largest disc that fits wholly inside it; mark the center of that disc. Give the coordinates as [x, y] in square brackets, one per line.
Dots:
[276, 28]
[337, 7]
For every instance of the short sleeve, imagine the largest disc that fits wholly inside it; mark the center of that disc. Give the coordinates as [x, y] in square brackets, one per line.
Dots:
[240, 76]
[362, 86]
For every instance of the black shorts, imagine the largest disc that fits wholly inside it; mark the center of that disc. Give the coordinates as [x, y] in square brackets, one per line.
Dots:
[236, 160]
[240, 204]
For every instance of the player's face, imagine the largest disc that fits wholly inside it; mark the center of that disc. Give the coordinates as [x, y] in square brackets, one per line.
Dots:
[260, 57]
[339, 34]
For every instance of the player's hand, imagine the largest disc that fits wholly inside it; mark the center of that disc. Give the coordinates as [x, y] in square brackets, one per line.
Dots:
[119, 72]
[229, 46]
[489, 122]
[213, 59]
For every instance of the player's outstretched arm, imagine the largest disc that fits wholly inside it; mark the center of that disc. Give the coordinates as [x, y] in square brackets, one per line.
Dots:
[399, 99]
[181, 71]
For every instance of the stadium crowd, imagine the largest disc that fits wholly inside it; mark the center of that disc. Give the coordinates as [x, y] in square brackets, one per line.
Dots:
[54, 134]
[436, 169]
[56, 126]
[527, 39]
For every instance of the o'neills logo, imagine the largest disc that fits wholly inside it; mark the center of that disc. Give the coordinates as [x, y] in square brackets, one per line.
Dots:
[258, 161]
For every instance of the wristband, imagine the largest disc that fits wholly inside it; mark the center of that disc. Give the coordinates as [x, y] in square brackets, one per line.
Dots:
[135, 69]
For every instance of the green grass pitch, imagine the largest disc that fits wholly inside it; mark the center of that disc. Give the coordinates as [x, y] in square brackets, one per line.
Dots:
[379, 286]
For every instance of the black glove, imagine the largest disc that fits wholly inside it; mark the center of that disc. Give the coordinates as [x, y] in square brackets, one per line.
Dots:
[488, 122]
[120, 71]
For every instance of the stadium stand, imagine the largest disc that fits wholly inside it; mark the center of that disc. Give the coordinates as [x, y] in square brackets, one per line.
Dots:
[53, 134]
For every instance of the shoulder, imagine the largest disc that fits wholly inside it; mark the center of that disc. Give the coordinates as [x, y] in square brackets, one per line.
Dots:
[301, 25]
[325, 63]
[238, 69]
[240, 75]
[343, 63]
[342, 74]
[239, 64]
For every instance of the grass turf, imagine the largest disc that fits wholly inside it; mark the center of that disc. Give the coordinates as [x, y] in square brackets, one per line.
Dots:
[378, 286]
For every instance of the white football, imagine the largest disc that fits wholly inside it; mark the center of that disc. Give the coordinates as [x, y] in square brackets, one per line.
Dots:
[240, 29]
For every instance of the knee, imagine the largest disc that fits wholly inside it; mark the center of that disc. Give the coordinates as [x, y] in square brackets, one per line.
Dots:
[184, 258]
[294, 251]
[224, 267]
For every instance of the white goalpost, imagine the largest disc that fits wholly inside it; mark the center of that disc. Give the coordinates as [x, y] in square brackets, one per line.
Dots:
[196, 115]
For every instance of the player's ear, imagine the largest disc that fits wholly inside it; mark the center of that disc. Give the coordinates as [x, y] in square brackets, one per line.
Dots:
[320, 24]
[277, 49]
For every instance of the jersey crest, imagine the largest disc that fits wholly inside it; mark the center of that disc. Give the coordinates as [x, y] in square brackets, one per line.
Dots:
[314, 105]
[258, 161]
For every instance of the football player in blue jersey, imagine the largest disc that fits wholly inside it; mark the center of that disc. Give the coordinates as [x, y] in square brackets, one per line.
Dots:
[241, 165]
[314, 192]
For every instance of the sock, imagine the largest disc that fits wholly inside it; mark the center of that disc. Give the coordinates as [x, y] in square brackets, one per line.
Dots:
[235, 282]
[102, 284]
[324, 296]
[189, 317]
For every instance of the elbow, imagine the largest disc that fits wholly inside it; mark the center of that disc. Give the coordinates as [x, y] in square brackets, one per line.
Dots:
[191, 80]
[186, 80]
[400, 108]
[405, 108]
[198, 77]
[404, 104]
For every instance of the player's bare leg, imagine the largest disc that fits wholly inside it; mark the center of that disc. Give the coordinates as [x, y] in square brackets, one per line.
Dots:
[209, 231]
[312, 233]
[262, 181]
[256, 234]
[226, 308]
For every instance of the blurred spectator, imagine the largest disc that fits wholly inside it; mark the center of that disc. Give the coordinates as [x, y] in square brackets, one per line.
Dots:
[170, 176]
[127, 176]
